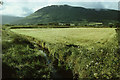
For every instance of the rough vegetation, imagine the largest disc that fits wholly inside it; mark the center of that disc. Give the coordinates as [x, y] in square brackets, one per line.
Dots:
[21, 59]
[99, 61]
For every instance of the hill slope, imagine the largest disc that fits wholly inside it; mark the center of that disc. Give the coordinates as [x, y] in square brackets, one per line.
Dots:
[8, 19]
[65, 13]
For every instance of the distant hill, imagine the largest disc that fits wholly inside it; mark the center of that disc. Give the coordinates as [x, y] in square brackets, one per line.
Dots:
[6, 19]
[66, 13]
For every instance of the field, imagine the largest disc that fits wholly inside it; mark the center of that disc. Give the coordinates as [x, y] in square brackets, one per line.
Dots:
[76, 36]
[75, 53]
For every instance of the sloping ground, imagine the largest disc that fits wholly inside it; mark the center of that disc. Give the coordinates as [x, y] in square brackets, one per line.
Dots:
[6, 19]
[88, 52]
[20, 59]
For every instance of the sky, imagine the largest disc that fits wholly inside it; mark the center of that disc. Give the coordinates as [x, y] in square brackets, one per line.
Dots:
[24, 8]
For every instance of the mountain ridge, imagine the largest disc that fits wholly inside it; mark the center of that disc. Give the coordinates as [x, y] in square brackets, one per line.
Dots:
[66, 13]
[7, 19]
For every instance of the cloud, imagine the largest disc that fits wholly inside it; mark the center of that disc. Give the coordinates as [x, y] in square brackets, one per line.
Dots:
[26, 11]
[17, 9]
[98, 5]
[101, 5]
[61, 1]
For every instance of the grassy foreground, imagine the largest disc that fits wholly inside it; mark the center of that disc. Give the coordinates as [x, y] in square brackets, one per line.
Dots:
[88, 52]
[20, 59]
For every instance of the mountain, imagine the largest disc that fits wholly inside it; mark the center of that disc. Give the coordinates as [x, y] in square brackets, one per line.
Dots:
[66, 13]
[6, 19]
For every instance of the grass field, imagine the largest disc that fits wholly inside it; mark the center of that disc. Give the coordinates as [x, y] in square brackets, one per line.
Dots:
[76, 36]
[87, 52]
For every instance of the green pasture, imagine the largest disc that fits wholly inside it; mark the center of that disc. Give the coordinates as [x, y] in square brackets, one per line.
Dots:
[76, 36]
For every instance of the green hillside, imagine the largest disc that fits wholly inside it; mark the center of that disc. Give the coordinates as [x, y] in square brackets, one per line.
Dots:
[65, 13]
[6, 19]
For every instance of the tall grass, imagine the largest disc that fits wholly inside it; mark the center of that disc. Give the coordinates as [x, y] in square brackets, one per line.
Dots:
[20, 59]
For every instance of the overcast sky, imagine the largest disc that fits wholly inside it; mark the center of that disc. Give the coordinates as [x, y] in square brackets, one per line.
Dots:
[26, 7]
